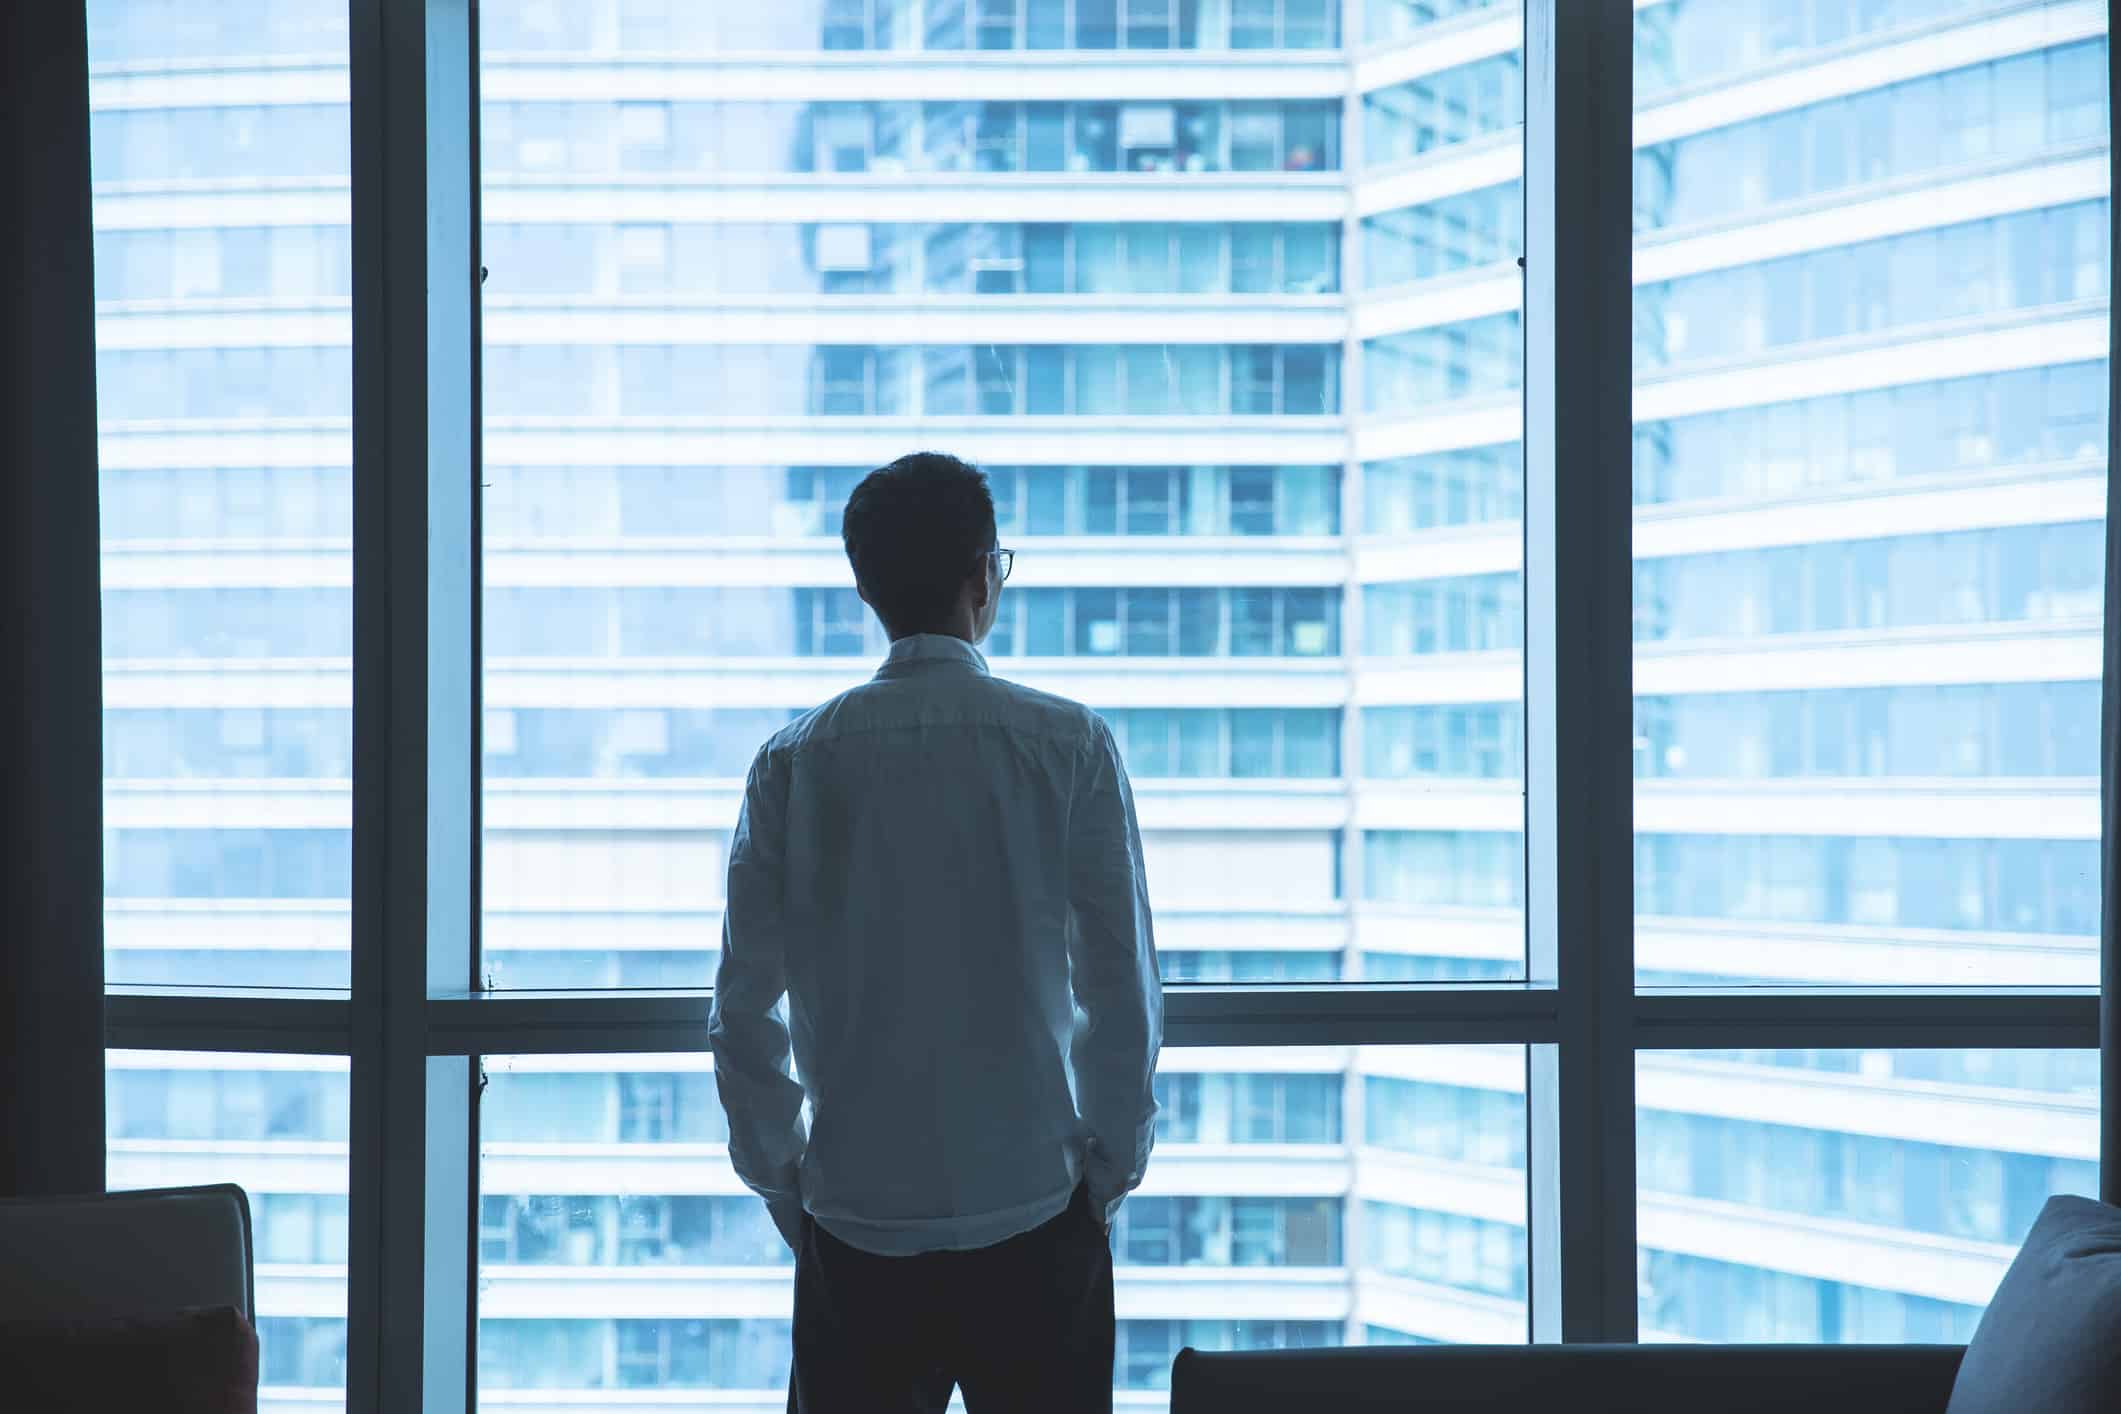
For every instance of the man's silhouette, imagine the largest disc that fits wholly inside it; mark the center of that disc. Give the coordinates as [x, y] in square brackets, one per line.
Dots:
[942, 873]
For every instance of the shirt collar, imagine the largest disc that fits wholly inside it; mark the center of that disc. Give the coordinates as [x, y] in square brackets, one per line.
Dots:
[918, 651]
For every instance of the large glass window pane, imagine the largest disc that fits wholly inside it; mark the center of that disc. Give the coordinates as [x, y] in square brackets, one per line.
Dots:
[276, 1125]
[1396, 1215]
[223, 328]
[1441, 509]
[1847, 1196]
[1829, 784]
[680, 395]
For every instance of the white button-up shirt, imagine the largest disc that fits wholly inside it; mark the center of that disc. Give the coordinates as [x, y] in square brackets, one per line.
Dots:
[942, 872]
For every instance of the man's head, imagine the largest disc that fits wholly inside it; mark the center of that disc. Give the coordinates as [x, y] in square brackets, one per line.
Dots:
[920, 535]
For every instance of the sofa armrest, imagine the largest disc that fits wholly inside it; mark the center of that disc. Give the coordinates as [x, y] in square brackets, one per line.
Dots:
[202, 1360]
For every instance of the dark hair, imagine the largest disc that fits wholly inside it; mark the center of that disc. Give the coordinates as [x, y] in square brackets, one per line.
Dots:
[914, 531]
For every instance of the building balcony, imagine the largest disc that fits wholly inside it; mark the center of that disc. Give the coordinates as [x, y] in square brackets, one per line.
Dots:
[767, 1293]
[260, 1166]
[2031, 494]
[1441, 299]
[1870, 212]
[2050, 334]
[1901, 806]
[1000, 197]
[800, 441]
[959, 75]
[636, 1292]
[872, 441]
[2035, 338]
[306, 322]
[896, 319]
[1809, 77]
[708, 683]
[1483, 934]
[1455, 805]
[1109, 561]
[1971, 191]
[1798, 954]
[517, 804]
[1885, 1107]
[1478, 421]
[1432, 678]
[1488, 1192]
[1444, 44]
[511, 927]
[1487, 161]
[2025, 808]
[2061, 650]
[1446, 1313]
[921, 319]
[239, 202]
[207, 442]
[267, 82]
[1106, 682]
[1240, 1170]
[1816, 954]
[1825, 1249]
[2056, 650]
[790, 197]
[1820, 954]
[137, 925]
[807, 561]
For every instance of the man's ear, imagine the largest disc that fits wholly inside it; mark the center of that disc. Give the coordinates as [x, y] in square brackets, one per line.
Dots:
[863, 592]
[981, 584]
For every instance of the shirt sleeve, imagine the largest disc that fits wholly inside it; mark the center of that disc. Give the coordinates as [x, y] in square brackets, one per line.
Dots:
[750, 1040]
[1112, 955]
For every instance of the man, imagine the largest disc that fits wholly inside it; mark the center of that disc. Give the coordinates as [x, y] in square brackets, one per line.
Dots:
[942, 873]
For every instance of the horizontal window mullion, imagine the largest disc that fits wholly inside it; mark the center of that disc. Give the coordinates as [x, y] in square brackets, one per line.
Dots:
[1881, 1018]
[264, 1021]
[1194, 1015]
[140, 1018]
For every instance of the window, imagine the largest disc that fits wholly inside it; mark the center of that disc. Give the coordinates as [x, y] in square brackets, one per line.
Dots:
[689, 1237]
[1914, 1143]
[278, 1125]
[212, 443]
[1787, 878]
[1870, 270]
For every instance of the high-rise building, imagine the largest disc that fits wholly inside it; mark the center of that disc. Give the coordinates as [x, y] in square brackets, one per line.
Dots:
[1224, 295]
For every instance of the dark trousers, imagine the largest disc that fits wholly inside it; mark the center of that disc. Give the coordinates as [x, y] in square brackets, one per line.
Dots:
[1024, 1326]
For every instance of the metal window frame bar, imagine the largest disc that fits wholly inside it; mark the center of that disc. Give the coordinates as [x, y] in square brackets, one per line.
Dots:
[261, 1022]
[410, 1292]
[2110, 731]
[1578, 657]
[631, 1021]
[51, 964]
[589, 1023]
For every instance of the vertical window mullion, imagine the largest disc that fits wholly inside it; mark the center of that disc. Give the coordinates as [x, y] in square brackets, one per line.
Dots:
[412, 1228]
[1579, 807]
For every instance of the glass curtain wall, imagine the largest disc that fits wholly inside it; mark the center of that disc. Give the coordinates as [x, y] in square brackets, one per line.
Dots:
[1245, 369]
[1870, 476]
